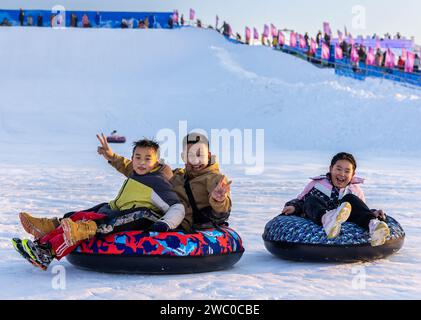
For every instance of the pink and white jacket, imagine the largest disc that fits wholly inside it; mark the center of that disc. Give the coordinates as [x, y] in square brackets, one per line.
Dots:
[321, 186]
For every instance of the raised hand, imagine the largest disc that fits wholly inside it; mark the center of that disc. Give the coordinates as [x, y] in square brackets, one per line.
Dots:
[104, 150]
[221, 191]
[288, 210]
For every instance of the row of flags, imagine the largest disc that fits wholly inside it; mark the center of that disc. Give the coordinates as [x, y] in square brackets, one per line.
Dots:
[302, 42]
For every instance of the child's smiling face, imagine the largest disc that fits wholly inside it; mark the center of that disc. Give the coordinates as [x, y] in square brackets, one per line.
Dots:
[196, 156]
[144, 160]
[342, 173]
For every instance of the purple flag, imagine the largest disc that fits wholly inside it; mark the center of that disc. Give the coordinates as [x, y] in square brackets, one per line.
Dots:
[281, 38]
[410, 61]
[266, 31]
[175, 16]
[293, 39]
[326, 28]
[192, 14]
[274, 31]
[325, 51]
[255, 34]
[248, 34]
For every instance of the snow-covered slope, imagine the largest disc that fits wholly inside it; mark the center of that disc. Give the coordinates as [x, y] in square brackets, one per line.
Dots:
[60, 87]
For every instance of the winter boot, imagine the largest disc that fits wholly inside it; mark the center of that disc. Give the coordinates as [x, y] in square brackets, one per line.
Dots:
[333, 219]
[42, 254]
[379, 231]
[38, 227]
[74, 232]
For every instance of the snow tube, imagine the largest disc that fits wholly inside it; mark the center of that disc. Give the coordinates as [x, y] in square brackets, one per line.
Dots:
[160, 253]
[116, 139]
[299, 239]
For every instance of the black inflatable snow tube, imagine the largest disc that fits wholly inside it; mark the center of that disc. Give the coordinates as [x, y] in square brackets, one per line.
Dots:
[299, 239]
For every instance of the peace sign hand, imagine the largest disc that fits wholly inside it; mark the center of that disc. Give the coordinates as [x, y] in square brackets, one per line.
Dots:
[104, 149]
[221, 190]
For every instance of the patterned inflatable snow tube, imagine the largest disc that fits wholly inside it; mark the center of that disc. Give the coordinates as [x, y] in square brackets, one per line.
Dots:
[160, 253]
[299, 239]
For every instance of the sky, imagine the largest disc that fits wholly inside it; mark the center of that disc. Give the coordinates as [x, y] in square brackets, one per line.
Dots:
[364, 17]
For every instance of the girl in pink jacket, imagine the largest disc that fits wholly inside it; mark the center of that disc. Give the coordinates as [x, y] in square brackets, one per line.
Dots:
[335, 198]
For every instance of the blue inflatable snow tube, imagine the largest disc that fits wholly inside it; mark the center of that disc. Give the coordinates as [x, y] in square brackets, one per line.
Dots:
[299, 239]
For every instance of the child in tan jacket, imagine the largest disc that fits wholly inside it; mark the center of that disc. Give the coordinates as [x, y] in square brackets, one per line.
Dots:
[202, 188]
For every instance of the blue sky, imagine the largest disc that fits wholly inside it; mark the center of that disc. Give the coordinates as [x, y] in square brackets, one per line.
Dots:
[301, 15]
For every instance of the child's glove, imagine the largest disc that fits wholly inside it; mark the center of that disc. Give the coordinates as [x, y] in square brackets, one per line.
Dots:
[160, 226]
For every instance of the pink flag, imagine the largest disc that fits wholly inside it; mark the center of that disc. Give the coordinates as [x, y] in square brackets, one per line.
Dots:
[192, 14]
[326, 28]
[274, 31]
[409, 63]
[325, 51]
[293, 39]
[339, 55]
[281, 38]
[266, 31]
[355, 57]
[313, 46]
[248, 34]
[255, 34]
[404, 52]
[371, 57]
[390, 59]
[302, 42]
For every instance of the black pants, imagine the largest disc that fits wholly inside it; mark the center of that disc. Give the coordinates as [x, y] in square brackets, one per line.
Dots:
[118, 221]
[315, 208]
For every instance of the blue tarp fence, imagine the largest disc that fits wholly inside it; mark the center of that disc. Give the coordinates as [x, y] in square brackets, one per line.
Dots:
[106, 19]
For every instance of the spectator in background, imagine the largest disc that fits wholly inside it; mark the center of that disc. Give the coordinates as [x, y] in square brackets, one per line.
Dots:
[379, 58]
[401, 63]
[327, 39]
[146, 23]
[182, 20]
[73, 20]
[199, 23]
[362, 53]
[30, 21]
[417, 63]
[5, 23]
[124, 24]
[306, 37]
[170, 23]
[345, 48]
[319, 38]
[85, 21]
[40, 21]
[141, 24]
[238, 37]
[21, 16]
[97, 19]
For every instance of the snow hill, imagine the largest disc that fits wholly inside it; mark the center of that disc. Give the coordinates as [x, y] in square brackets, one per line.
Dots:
[60, 87]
